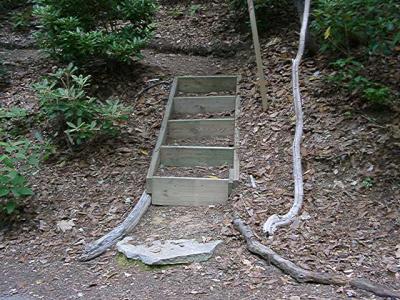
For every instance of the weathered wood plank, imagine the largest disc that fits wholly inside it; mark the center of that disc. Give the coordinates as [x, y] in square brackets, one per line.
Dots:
[200, 128]
[236, 166]
[189, 191]
[210, 104]
[234, 173]
[155, 160]
[207, 84]
[188, 156]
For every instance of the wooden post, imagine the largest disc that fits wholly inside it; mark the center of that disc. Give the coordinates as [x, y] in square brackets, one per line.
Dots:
[260, 68]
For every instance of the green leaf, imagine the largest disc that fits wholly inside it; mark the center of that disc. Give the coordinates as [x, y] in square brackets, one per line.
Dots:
[10, 207]
[22, 191]
[18, 180]
[33, 161]
[6, 161]
[327, 33]
[4, 179]
[4, 192]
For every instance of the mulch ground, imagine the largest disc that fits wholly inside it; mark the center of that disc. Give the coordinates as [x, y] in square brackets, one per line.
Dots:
[350, 222]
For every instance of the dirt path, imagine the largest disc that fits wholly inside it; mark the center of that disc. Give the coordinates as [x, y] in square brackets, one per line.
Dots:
[346, 225]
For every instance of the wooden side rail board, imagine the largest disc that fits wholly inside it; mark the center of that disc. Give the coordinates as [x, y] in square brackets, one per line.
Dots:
[196, 190]
[200, 128]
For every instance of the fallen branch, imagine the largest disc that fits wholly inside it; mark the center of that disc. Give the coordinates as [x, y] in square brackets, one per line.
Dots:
[138, 95]
[274, 221]
[100, 246]
[304, 276]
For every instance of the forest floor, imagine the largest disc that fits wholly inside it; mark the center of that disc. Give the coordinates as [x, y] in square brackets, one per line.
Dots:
[350, 222]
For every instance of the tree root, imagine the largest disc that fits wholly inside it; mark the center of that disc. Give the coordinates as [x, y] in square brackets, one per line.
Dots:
[275, 221]
[304, 276]
[100, 246]
[138, 95]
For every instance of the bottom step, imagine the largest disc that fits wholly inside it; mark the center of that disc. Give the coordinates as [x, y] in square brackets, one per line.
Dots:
[189, 191]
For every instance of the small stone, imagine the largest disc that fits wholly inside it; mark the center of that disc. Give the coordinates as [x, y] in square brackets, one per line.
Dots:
[65, 225]
[168, 252]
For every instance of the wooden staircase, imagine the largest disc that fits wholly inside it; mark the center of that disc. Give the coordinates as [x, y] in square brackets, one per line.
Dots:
[200, 111]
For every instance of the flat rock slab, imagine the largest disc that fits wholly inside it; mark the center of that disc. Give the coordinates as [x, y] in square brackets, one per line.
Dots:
[168, 252]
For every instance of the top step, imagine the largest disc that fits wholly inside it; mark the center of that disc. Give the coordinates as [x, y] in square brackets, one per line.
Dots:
[201, 85]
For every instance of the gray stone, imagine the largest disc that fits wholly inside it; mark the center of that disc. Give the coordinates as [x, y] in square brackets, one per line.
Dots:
[16, 297]
[168, 252]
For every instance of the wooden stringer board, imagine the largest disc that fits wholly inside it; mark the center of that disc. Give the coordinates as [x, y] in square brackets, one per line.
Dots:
[191, 96]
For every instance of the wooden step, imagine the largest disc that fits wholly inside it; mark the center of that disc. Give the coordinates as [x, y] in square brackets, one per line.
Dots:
[204, 104]
[207, 84]
[200, 128]
[196, 190]
[191, 156]
[189, 191]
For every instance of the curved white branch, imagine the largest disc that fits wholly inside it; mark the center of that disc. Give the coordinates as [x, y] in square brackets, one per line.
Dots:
[276, 221]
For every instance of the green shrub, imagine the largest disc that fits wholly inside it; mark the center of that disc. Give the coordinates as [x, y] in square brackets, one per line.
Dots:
[75, 30]
[343, 24]
[377, 94]
[349, 75]
[22, 20]
[64, 101]
[360, 28]
[194, 9]
[17, 158]
[12, 122]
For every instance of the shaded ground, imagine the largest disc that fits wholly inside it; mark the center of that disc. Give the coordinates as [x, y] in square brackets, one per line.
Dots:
[350, 222]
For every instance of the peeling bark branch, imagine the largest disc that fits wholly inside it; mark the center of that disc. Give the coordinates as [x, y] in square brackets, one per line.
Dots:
[275, 221]
[100, 246]
[304, 276]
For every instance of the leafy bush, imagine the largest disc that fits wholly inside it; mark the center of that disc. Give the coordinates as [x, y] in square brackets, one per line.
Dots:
[343, 24]
[16, 159]
[22, 20]
[64, 100]
[194, 9]
[360, 28]
[19, 157]
[75, 30]
[348, 75]
[12, 122]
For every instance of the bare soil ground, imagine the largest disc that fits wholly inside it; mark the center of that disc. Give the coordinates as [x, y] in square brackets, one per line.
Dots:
[350, 222]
